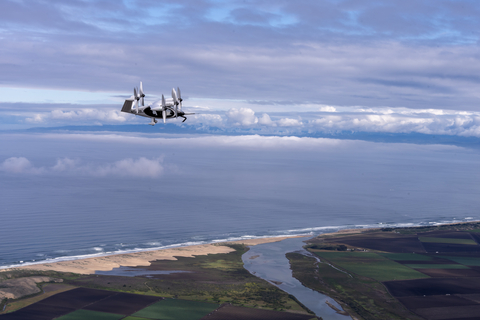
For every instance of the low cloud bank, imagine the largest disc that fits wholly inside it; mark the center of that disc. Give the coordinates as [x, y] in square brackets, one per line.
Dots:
[333, 120]
[141, 167]
[86, 114]
[325, 119]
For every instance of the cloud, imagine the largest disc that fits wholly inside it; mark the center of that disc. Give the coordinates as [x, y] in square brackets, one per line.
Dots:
[142, 167]
[19, 165]
[327, 109]
[287, 122]
[242, 117]
[266, 121]
[138, 168]
[80, 115]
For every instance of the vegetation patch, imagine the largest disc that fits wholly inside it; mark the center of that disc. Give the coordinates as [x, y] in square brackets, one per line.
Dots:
[371, 265]
[173, 309]
[447, 240]
[436, 266]
[90, 315]
[406, 256]
[468, 261]
[326, 246]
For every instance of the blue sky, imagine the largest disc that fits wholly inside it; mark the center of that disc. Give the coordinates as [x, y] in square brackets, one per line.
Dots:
[305, 60]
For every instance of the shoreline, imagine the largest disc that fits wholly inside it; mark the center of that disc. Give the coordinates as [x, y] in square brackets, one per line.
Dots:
[141, 258]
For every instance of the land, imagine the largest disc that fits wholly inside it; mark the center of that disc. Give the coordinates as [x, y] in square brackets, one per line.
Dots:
[215, 285]
[397, 273]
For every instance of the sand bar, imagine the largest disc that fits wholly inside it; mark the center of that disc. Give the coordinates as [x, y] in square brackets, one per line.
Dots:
[137, 259]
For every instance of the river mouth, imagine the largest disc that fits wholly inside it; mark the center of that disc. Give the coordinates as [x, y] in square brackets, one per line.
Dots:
[268, 261]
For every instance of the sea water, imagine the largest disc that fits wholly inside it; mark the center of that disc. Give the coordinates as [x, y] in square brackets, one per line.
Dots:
[211, 192]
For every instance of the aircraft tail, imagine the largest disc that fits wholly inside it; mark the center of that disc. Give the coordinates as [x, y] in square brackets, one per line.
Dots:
[127, 106]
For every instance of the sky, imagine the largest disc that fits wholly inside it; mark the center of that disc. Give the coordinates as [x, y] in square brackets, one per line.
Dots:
[308, 66]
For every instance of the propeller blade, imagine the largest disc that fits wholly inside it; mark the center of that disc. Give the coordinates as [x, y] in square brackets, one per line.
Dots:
[174, 96]
[142, 95]
[163, 102]
[164, 115]
[175, 101]
[179, 99]
[135, 95]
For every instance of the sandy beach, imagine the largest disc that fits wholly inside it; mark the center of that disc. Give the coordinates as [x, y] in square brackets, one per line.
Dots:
[143, 258]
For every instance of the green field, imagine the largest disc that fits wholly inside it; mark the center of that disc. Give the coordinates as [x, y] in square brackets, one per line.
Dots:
[134, 318]
[406, 256]
[436, 266]
[447, 240]
[90, 315]
[468, 261]
[172, 309]
[371, 265]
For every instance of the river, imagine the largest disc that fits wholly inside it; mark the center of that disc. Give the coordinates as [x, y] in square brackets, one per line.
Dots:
[268, 261]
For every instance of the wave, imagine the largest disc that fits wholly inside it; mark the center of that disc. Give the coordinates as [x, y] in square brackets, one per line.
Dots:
[154, 245]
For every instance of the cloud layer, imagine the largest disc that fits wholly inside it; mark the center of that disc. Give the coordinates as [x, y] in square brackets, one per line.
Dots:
[140, 168]
[417, 54]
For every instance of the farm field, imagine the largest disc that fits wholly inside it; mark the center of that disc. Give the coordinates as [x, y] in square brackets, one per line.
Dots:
[371, 265]
[447, 257]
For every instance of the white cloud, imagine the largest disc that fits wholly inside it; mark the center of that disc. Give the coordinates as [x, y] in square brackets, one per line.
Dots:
[266, 121]
[19, 165]
[86, 114]
[287, 122]
[141, 167]
[327, 109]
[242, 117]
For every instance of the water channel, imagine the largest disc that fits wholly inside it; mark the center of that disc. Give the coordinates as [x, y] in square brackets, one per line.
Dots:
[268, 261]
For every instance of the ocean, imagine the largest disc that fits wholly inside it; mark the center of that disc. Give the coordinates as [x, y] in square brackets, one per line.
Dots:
[89, 194]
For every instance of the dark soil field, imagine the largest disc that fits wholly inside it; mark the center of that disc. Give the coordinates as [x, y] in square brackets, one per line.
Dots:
[446, 234]
[76, 298]
[123, 303]
[37, 312]
[387, 242]
[449, 247]
[450, 273]
[435, 301]
[464, 312]
[239, 313]
[433, 286]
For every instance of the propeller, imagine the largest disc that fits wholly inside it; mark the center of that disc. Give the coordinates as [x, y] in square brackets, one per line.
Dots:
[179, 98]
[142, 95]
[164, 110]
[135, 95]
[175, 101]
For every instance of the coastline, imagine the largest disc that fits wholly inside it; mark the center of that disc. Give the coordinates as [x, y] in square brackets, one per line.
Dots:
[141, 258]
